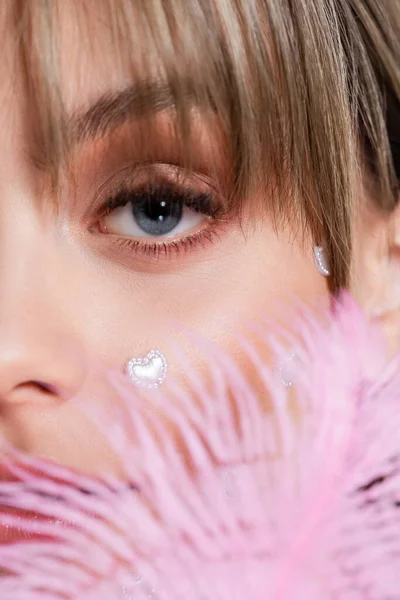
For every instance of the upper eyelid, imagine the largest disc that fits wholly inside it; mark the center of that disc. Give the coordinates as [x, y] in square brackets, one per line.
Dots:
[167, 174]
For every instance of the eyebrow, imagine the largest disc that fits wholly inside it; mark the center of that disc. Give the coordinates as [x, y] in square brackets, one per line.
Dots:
[113, 109]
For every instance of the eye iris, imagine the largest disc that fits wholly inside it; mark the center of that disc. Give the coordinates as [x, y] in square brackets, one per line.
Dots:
[157, 216]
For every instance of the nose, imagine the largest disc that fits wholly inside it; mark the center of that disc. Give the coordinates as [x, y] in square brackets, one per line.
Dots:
[35, 369]
[41, 359]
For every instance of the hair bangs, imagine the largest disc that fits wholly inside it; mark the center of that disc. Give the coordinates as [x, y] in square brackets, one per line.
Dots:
[292, 86]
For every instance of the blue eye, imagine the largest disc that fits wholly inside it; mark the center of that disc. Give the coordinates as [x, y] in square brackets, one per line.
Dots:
[156, 213]
[157, 216]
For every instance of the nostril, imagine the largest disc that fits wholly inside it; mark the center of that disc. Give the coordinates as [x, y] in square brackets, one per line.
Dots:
[31, 392]
[43, 387]
[39, 386]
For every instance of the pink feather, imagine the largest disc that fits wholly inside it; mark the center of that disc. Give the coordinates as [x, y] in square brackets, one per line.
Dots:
[230, 501]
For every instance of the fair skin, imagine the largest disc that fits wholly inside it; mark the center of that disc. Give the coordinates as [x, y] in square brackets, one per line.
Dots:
[70, 293]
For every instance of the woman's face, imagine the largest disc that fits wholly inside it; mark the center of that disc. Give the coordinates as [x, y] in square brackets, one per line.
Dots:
[86, 276]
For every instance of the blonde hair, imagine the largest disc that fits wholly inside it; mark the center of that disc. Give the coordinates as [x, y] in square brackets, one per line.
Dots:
[301, 88]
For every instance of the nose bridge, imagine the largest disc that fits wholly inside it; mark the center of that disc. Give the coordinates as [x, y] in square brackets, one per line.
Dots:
[22, 260]
[37, 343]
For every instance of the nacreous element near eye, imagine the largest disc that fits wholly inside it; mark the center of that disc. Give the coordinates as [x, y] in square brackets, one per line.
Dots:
[149, 371]
[321, 261]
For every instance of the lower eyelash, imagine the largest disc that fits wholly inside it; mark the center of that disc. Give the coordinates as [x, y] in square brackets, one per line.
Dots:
[159, 250]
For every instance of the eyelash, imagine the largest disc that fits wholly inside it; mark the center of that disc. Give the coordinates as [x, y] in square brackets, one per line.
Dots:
[202, 202]
[169, 249]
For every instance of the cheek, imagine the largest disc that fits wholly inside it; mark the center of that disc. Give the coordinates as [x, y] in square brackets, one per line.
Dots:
[116, 314]
[259, 275]
[369, 275]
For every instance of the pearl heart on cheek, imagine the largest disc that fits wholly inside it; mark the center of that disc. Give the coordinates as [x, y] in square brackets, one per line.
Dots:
[149, 371]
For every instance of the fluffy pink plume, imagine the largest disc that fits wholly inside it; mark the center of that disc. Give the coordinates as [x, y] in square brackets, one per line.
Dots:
[230, 499]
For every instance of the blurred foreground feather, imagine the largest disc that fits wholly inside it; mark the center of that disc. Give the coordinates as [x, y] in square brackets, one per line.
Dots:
[230, 500]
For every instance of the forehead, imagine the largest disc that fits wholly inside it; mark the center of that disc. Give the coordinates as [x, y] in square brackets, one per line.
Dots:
[92, 51]
[80, 50]
[93, 58]
[73, 51]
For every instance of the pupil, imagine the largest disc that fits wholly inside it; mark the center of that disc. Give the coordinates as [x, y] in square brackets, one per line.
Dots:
[157, 216]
